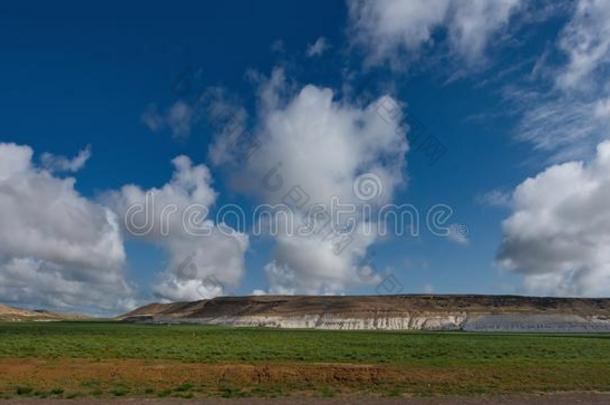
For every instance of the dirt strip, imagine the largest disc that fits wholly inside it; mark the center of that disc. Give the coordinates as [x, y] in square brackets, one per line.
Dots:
[77, 379]
[551, 399]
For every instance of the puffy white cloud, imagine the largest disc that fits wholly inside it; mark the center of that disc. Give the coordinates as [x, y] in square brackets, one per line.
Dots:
[323, 145]
[312, 149]
[56, 163]
[56, 247]
[559, 233]
[205, 259]
[318, 47]
[314, 264]
[387, 28]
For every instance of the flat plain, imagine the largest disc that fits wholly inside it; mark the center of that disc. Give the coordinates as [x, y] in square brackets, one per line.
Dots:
[113, 360]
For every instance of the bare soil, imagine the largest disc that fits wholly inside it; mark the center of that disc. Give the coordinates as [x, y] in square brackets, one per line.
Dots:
[22, 378]
[554, 399]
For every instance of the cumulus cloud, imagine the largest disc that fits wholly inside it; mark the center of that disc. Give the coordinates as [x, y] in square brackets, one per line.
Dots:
[318, 47]
[205, 259]
[312, 149]
[558, 235]
[57, 248]
[55, 163]
[388, 28]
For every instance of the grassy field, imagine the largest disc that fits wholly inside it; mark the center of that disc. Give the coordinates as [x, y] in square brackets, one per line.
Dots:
[69, 359]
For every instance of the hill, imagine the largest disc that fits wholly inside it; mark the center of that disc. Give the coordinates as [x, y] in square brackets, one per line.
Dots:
[428, 312]
[17, 314]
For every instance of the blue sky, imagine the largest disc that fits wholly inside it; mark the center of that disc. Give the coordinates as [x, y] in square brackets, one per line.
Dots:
[502, 95]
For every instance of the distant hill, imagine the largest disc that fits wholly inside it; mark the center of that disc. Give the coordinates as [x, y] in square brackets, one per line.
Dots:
[17, 314]
[427, 312]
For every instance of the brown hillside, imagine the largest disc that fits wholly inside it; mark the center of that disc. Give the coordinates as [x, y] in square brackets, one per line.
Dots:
[17, 314]
[367, 306]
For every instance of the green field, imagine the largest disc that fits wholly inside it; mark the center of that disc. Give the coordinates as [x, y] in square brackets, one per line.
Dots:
[203, 361]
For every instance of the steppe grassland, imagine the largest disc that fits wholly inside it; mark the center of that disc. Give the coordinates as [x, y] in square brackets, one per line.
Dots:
[71, 359]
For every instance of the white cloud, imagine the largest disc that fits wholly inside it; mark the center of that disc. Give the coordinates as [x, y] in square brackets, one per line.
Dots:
[310, 142]
[568, 115]
[458, 233]
[322, 144]
[56, 247]
[205, 259]
[55, 163]
[559, 232]
[318, 47]
[495, 198]
[180, 118]
[152, 119]
[313, 264]
[586, 42]
[602, 109]
[474, 22]
[230, 119]
[564, 124]
[388, 28]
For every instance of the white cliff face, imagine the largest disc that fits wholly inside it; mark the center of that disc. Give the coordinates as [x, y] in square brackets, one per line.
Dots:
[452, 322]
[458, 321]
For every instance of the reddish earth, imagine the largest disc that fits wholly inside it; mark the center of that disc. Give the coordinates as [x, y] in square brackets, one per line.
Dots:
[554, 399]
[109, 379]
